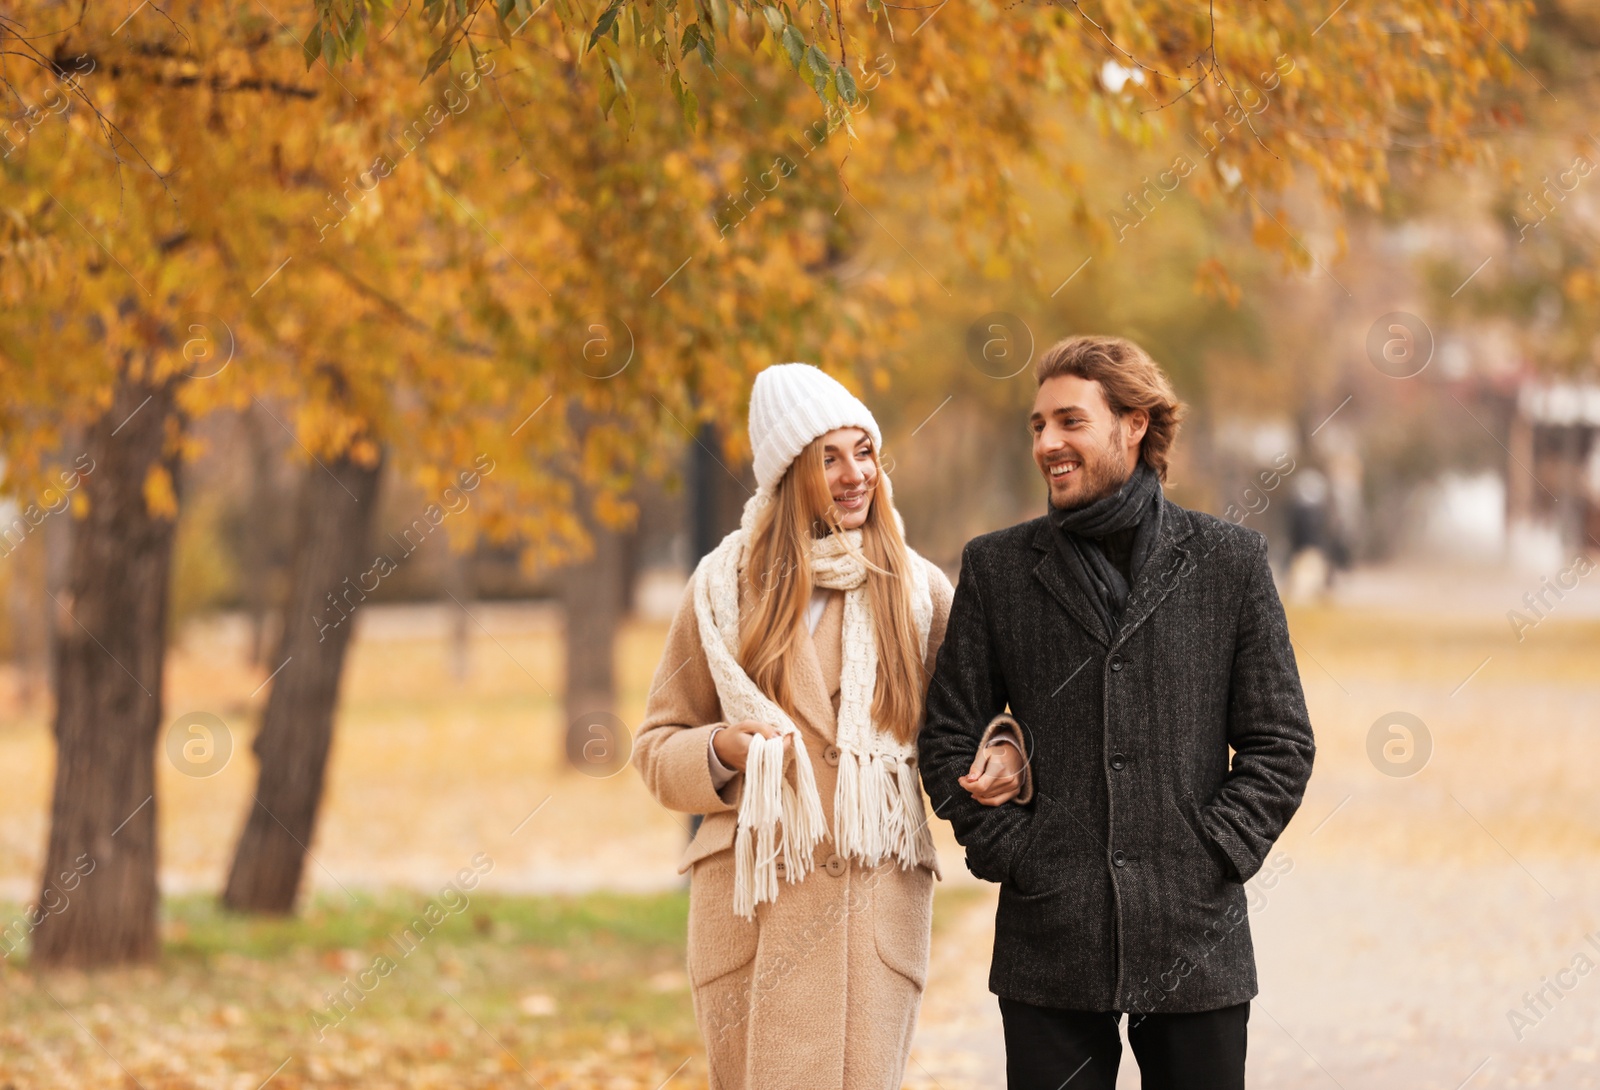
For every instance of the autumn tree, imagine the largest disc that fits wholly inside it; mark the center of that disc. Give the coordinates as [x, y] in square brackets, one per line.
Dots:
[1249, 96]
[382, 233]
[705, 183]
[971, 106]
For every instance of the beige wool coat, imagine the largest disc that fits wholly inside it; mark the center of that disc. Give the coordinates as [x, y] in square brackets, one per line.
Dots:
[821, 990]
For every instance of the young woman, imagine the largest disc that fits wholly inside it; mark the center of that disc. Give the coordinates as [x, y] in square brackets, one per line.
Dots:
[785, 709]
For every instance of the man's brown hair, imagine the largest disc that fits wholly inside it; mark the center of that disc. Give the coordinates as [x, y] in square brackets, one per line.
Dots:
[1130, 380]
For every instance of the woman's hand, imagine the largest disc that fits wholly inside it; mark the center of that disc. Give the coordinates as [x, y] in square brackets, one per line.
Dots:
[996, 774]
[732, 744]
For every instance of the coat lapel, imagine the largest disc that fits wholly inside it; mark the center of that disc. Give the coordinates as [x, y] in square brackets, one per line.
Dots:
[1051, 571]
[1161, 572]
[813, 701]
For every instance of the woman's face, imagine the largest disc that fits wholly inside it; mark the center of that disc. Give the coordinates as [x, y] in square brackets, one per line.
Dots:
[851, 472]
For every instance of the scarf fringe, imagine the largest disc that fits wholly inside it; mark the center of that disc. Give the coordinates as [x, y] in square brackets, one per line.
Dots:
[878, 811]
[769, 803]
[917, 843]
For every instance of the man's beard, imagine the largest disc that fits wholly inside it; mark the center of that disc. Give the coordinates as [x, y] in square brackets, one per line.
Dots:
[1103, 476]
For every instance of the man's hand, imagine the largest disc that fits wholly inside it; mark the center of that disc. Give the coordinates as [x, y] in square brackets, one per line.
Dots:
[732, 744]
[995, 777]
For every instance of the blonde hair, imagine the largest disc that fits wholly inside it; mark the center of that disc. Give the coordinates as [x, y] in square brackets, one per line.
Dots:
[779, 574]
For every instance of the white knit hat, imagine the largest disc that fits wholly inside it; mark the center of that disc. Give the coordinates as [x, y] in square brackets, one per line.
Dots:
[791, 405]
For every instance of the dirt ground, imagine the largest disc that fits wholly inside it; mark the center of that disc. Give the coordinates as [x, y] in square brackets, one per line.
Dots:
[1417, 912]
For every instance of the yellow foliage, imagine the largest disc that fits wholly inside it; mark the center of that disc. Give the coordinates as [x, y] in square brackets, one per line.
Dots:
[159, 496]
[1213, 282]
[423, 264]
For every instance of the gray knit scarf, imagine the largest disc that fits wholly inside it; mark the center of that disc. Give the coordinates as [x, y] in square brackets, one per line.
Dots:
[1136, 502]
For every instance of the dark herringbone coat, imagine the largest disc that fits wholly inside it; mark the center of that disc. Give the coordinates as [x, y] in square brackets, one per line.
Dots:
[1121, 883]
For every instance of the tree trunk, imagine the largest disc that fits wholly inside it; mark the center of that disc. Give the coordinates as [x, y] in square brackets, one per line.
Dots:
[714, 510]
[331, 563]
[257, 547]
[98, 894]
[594, 592]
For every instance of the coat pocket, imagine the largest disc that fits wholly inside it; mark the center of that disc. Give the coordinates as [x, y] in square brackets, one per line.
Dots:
[1029, 875]
[719, 941]
[902, 924]
[716, 834]
[1190, 813]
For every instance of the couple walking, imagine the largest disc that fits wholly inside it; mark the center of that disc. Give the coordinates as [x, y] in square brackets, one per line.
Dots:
[1069, 705]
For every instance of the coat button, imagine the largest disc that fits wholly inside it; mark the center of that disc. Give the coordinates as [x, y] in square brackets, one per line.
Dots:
[831, 755]
[1116, 662]
[1118, 858]
[834, 865]
[1117, 760]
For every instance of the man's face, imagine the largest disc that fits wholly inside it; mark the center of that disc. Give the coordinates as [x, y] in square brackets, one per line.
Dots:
[1084, 450]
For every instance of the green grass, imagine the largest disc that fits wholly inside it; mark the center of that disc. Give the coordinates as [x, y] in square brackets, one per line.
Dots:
[574, 990]
[198, 927]
[501, 982]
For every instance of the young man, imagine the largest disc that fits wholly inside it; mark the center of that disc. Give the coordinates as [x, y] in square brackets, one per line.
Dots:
[1135, 642]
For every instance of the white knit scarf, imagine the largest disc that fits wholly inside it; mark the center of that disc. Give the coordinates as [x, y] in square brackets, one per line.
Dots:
[877, 806]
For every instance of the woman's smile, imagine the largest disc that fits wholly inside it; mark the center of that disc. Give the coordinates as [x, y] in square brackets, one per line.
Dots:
[850, 466]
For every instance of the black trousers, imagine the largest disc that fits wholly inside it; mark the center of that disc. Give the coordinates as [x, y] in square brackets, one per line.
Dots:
[1051, 1049]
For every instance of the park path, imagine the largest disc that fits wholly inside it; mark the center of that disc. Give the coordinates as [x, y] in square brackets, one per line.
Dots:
[958, 1044]
[1370, 977]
